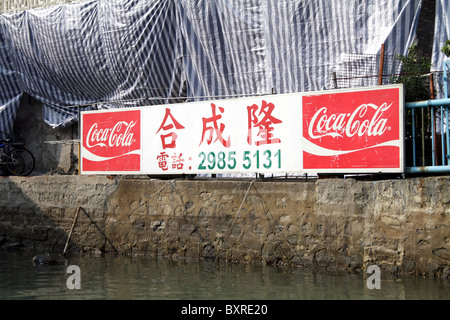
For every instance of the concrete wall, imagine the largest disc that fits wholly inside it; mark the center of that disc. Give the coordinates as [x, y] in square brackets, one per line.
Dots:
[402, 225]
[51, 148]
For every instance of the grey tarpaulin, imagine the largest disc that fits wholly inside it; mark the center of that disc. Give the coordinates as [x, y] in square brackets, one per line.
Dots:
[10, 91]
[441, 34]
[144, 50]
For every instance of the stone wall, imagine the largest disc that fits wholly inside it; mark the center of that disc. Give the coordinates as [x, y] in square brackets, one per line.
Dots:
[54, 150]
[402, 225]
[36, 213]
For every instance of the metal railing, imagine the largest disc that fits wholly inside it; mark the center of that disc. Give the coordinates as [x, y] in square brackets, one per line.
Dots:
[427, 142]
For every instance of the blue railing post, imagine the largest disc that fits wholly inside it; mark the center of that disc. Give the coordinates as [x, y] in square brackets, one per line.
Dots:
[443, 105]
[433, 139]
[446, 65]
[413, 121]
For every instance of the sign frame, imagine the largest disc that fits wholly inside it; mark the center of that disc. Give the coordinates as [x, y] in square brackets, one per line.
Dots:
[401, 129]
[287, 135]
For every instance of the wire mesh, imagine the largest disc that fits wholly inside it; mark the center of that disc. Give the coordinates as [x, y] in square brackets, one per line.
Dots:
[363, 70]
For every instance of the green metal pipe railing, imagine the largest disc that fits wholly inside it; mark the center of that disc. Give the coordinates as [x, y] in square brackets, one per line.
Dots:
[434, 121]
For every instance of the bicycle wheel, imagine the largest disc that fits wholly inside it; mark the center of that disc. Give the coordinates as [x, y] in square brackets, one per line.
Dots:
[20, 162]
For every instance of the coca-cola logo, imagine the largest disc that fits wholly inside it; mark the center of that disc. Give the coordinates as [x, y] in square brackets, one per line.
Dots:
[111, 141]
[119, 135]
[359, 129]
[347, 125]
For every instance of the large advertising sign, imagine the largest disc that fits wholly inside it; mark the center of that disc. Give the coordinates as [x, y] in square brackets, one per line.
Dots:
[358, 130]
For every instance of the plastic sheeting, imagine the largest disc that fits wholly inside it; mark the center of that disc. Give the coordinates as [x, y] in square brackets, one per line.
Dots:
[10, 91]
[441, 34]
[143, 52]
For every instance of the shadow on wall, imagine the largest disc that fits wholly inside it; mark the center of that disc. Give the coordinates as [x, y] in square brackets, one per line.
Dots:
[46, 143]
[26, 226]
[38, 213]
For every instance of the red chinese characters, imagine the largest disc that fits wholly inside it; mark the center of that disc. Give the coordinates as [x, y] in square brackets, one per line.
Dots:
[213, 128]
[162, 161]
[264, 121]
[178, 161]
[168, 141]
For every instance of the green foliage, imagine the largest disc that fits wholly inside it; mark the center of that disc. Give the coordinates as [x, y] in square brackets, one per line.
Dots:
[414, 75]
[446, 48]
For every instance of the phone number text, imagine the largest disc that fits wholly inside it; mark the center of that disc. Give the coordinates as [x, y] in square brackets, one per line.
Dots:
[248, 160]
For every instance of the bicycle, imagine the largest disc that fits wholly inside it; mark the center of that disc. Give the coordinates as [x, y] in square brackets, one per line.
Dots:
[14, 157]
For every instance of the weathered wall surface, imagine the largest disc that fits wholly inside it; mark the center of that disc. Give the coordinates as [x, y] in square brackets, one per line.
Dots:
[402, 225]
[37, 212]
[51, 148]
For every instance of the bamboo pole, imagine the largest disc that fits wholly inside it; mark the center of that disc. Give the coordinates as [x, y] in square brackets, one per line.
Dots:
[71, 229]
[380, 73]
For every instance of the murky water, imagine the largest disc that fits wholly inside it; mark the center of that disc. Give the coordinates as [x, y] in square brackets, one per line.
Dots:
[139, 277]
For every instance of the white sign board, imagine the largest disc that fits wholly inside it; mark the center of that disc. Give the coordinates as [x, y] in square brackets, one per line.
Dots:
[358, 130]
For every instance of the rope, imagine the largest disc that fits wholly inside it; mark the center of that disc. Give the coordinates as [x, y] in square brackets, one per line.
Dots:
[234, 220]
[269, 215]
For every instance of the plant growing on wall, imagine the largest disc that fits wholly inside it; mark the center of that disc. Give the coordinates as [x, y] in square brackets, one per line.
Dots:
[414, 75]
[446, 48]
[416, 84]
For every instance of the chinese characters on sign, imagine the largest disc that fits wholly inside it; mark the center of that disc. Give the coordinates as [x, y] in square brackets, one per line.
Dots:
[264, 121]
[329, 131]
[171, 136]
[261, 130]
[168, 141]
[216, 129]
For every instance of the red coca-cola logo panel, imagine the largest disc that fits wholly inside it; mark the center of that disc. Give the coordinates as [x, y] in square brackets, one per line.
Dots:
[351, 130]
[111, 141]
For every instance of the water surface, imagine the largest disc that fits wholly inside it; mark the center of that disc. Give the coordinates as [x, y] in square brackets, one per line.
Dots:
[111, 277]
